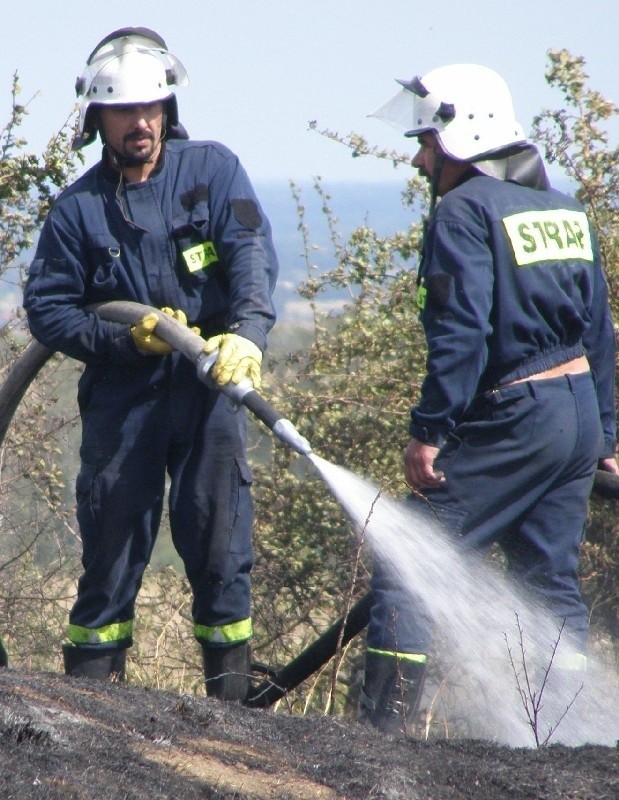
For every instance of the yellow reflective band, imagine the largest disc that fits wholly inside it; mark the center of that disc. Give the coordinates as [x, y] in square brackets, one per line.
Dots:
[225, 634]
[117, 631]
[200, 256]
[560, 234]
[574, 662]
[422, 293]
[417, 658]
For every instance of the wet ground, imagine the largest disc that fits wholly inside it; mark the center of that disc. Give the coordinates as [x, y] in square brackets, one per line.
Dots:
[67, 738]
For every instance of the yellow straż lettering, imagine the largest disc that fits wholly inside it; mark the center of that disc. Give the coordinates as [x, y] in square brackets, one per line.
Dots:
[200, 256]
[552, 231]
[529, 241]
[557, 235]
[570, 236]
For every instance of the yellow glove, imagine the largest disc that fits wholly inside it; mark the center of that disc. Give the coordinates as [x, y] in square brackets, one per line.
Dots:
[238, 358]
[144, 338]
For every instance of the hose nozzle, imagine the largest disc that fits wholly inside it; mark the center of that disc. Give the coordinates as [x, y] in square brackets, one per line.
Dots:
[286, 431]
[244, 394]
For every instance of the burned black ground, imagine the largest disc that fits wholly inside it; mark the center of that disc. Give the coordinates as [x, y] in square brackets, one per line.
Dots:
[68, 738]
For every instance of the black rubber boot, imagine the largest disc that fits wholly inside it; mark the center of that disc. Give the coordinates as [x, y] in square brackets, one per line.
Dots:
[226, 671]
[4, 656]
[101, 665]
[391, 692]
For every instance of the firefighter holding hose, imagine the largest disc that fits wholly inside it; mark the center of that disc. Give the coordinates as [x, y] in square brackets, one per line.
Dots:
[517, 407]
[174, 224]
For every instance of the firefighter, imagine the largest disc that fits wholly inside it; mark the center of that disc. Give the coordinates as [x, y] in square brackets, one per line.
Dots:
[517, 406]
[174, 224]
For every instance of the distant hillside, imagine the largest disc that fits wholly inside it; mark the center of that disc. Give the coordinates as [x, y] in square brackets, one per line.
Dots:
[377, 205]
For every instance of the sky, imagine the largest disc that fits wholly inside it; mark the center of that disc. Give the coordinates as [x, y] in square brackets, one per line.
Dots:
[260, 70]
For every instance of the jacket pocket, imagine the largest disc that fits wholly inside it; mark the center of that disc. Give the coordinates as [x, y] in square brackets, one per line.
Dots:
[195, 251]
[105, 265]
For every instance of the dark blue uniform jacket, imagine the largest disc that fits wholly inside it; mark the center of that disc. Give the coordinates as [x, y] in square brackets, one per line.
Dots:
[511, 285]
[193, 236]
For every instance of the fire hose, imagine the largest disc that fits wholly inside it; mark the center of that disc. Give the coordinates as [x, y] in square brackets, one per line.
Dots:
[190, 344]
[176, 334]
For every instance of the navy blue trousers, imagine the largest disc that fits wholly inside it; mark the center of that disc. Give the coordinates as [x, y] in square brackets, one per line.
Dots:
[519, 472]
[136, 427]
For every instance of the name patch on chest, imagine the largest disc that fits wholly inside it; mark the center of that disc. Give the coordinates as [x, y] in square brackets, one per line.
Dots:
[560, 234]
[200, 256]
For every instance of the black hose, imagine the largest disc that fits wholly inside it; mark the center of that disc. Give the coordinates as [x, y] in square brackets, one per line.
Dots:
[606, 485]
[313, 657]
[23, 371]
[35, 355]
[191, 345]
[259, 407]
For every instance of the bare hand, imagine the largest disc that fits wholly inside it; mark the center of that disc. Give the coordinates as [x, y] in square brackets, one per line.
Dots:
[419, 465]
[609, 465]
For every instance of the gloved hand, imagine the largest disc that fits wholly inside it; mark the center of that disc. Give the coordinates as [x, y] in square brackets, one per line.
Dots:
[238, 358]
[144, 338]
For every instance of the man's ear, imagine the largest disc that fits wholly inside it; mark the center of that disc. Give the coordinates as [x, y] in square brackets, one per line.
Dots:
[95, 121]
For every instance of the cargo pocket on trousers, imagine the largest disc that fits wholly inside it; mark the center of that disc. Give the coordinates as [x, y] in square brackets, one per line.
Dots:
[241, 507]
[88, 497]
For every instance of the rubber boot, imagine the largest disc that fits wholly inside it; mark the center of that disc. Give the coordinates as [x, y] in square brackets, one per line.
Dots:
[226, 671]
[101, 665]
[391, 693]
[4, 656]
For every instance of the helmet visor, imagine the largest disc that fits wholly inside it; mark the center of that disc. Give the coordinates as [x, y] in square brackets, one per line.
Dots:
[414, 110]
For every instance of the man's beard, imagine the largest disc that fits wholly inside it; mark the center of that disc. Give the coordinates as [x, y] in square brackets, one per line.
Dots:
[143, 156]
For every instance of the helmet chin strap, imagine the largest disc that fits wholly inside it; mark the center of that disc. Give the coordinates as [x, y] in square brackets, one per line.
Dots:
[439, 160]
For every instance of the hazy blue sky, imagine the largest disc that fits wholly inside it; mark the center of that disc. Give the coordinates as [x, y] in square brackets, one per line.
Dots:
[261, 69]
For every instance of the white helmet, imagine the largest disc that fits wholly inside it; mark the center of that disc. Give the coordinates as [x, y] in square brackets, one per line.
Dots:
[467, 106]
[131, 65]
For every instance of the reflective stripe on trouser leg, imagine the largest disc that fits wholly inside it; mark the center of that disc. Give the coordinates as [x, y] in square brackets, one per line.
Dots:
[119, 633]
[414, 658]
[391, 691]
[233, 633]
[399, 622]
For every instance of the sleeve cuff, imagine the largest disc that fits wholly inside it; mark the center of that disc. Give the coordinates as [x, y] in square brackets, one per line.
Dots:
[251, 332]
[123, 348]
[427, 435]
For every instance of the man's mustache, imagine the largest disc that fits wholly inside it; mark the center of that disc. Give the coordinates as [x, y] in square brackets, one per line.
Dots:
[129, 137]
